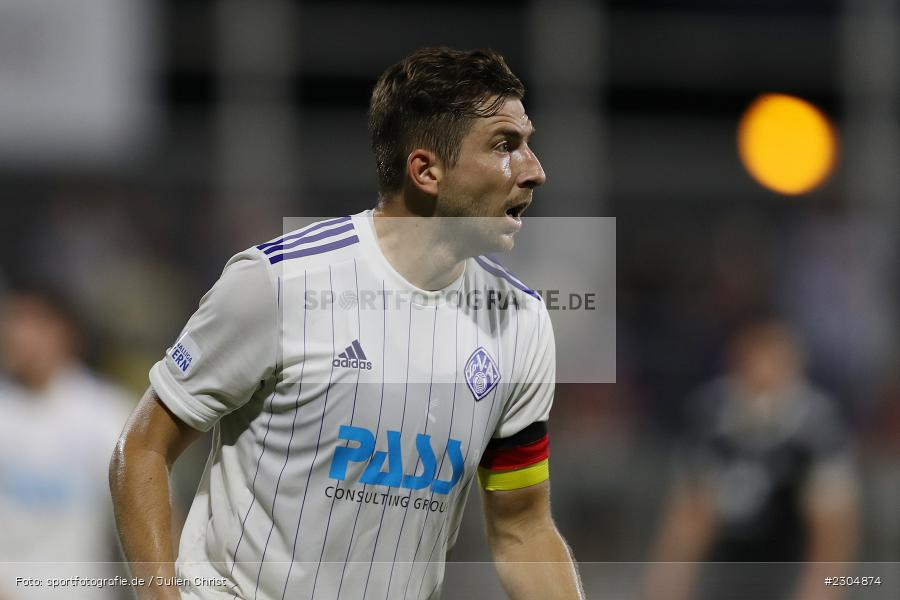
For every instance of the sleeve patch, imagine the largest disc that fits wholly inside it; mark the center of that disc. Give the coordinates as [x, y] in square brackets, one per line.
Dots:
[183, 354]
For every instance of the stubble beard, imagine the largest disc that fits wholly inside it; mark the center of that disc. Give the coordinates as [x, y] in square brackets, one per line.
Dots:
[468, 230]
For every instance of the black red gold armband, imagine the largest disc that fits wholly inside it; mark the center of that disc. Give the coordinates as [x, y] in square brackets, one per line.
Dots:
[516, 462]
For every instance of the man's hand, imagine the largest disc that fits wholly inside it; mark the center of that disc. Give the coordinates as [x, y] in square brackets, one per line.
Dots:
[139, 481]
[532, 560]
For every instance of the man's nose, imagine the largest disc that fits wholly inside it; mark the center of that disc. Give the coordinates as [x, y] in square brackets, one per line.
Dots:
[533, 173]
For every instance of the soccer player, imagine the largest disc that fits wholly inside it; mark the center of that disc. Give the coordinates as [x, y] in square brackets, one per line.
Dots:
[59, 423]
[357, 373]
[766, 490]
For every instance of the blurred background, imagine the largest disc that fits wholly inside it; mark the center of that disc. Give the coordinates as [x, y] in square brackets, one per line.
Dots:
[143, 143]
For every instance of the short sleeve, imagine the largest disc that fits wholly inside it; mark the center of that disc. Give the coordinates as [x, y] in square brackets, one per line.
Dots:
[833, 468]
[824, 431]
[535, 383]
[227, 349]
[518, 452]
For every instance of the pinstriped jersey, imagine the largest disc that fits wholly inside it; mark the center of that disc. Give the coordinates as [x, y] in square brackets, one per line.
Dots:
[349, 410]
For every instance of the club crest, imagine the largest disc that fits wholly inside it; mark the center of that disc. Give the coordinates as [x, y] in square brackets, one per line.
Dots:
[482, 373]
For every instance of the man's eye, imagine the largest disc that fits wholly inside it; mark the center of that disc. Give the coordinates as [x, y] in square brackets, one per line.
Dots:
[503, 147]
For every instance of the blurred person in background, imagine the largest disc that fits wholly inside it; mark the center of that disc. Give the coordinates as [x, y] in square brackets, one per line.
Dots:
[58, 424]
[766, 475]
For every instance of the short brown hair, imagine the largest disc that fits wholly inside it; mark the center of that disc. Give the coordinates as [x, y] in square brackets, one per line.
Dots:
[429, 100]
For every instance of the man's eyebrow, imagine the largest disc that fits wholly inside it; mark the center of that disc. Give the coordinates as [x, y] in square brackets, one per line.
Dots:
[514, 131]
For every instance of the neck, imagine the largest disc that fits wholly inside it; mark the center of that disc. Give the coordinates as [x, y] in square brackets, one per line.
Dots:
[417, 246]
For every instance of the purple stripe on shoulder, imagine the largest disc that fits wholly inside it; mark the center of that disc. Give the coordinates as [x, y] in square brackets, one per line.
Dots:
[309, 239]
[492, 260]
[494, 270]
[309, 229]
[315, 250]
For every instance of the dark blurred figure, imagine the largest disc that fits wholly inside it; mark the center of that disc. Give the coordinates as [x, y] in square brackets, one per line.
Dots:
[58, 424]
[766, 475]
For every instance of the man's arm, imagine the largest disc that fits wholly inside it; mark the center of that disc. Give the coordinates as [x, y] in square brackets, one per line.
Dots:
[684, 538]
[139, 481]
[831, 509]
[531, 557]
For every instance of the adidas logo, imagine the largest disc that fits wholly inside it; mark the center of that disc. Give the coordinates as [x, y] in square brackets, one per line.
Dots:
[352, 357]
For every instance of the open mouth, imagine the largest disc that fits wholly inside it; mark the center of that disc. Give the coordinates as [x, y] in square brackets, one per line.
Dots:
[516, 210]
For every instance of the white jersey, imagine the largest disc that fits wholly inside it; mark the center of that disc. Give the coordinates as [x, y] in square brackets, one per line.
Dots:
[350, 411]
[55, 508]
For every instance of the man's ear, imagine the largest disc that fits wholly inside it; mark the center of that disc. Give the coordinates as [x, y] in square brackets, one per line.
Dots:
[424, 171]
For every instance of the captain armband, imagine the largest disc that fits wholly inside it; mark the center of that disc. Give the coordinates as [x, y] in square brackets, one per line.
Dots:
[516, 462]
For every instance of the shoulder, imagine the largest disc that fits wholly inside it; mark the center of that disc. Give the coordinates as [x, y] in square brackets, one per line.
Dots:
[502, 285]
[707, 405]
[8, 389]
[501, 278]
[816, 417]
[320, 243]
[13, 399]
[253, 277]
